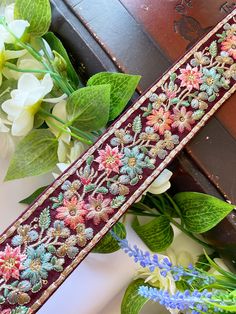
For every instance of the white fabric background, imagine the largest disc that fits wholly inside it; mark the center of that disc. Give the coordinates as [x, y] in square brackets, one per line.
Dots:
[98, 284]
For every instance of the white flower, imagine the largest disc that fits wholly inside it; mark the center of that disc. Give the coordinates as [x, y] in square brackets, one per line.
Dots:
[59, 110]
[6, 55]
[76, 150]
[25, 102]
[160, 185]
[17, 27]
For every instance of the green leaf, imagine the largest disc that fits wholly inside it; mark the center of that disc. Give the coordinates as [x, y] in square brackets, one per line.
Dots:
[102, 190]
[44, 219]
[122, 89]
[213, 49]
[156, 234]
[108, 244]
[36, 12]
[35, 154]
[201, 212]
[2, 299]
[132, 302]
[57, 45]
[30, 199]
[137, 124]
[38, 286]
[88, 108]
[117, 201]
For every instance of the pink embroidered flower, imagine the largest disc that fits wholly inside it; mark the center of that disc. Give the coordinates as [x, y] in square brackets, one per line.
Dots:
[190, 77]
[160, 120]
[109, 159]
[229, 45]
[182, 119]
[72, 213]
[11, 262]
[7, 311]
[99, 209]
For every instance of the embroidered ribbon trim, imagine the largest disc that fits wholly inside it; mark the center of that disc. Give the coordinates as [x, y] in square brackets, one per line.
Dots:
[56, 232]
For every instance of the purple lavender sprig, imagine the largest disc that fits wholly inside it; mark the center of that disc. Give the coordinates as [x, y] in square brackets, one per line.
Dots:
[196, 301]
[145, 259]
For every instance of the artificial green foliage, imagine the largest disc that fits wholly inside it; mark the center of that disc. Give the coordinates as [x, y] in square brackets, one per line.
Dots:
[37, 13]
[34, 155]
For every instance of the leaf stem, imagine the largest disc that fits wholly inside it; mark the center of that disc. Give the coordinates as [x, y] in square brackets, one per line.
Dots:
[81, 139]
[180, 227]
[14, 68]
[87, 136]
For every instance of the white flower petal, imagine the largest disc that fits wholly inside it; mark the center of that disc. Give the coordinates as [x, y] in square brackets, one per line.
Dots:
[59, 110]
[11, 54]
[2, 46]
[47, 84]
[161, 183]
[77, 150]
[27, 82]
[18, 28]
[62, 166]
[4, 34]
[11, 108]
[62, 151]
[9, 13]
[23, 124]
[56, 100]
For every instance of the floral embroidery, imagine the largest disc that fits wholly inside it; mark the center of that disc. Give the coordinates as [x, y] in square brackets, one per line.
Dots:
[160, 120]
[11, 263]
[109, 159]
[99, 209]
[190, 77]
[211, 81]
[182, 119]
[72, 212]
[37, 264]
[229, 45]
[72, 216]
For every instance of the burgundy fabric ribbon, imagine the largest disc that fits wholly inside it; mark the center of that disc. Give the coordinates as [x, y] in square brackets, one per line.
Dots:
[43, 246]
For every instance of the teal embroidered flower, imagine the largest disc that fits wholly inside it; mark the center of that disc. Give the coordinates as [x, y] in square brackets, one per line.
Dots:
[211, 81]
[25, 235]
[133, 162]
[37, 264]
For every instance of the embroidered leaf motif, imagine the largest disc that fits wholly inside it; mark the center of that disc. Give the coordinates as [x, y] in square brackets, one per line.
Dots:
[35, 154]
[108, 244]
[88, 108]
[37, 287]
[51, 249]
[201, 212]
[2, 299]
[44, 219]
[90, 160]
[57, 201]
[122, 89]
[213, 49]
[137, 125]
[37, 13]
[102, 190]
[89, 187]
[156, 234]
[132, 302]
[117, 201]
